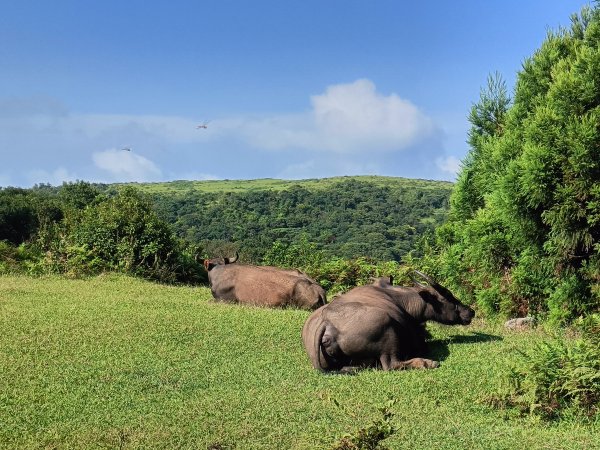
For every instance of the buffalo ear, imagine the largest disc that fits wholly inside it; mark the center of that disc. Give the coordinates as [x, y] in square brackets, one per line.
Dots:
[428, 297]
[232, 260]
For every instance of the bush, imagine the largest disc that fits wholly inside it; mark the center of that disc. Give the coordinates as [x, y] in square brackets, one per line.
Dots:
[18, 217]
[121, 233]
[370, 436]
[560, 379]
[336, 275]
[524, 225]
[20, 259]
[298, 254]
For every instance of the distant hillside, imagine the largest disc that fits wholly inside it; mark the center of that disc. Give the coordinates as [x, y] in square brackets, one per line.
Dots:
[207, 186]
[371, 216]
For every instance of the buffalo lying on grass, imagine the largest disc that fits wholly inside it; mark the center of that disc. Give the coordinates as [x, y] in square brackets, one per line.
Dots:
[380, 325]
[262, 285]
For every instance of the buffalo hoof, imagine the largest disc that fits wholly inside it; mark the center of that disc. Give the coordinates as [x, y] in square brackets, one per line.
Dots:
[417, 363]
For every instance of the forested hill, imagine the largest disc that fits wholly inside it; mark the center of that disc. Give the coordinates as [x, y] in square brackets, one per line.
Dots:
[370, 216]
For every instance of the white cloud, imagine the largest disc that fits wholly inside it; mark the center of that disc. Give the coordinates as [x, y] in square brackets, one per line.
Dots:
[196, 176]
[449, 164]
[347, 129]
[126, 165]
[352, 117]
[346, 118]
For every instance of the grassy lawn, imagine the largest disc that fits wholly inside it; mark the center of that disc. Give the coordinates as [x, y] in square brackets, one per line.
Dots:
[115, 362]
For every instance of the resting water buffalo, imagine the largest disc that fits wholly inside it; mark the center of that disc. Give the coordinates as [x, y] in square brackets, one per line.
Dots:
[380, 325]
[262, 285]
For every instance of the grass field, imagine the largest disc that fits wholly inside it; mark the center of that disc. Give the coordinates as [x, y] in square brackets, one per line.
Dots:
[116, 362]
[182, 186]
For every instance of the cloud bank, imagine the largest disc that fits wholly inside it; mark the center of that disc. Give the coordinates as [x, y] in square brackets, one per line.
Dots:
[348, 129]
[345, 119]
[449, 164]
[123, 165]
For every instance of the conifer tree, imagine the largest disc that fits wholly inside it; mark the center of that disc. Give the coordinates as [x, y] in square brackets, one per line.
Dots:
[524, 229]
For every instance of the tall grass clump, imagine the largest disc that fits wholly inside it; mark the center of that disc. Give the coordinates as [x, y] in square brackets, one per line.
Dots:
[560, 378]
[370, 437]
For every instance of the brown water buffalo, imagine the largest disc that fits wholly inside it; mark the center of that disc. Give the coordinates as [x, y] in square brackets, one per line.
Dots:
[380, 325]
[262, 285]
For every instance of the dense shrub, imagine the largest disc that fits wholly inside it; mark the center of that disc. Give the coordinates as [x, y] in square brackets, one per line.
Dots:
[77, 230]
[336, 275]
[18, 220]
[19, 259]
[523, 235]
[123, 233]
[560, 378]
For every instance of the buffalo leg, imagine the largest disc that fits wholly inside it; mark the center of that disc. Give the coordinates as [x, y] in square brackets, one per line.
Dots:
[415, 363]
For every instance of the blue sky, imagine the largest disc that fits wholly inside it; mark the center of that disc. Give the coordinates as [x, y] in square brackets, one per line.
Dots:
[288, 89]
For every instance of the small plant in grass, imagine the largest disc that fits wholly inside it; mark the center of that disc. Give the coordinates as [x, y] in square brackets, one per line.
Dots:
[559, 379]
[370, 436]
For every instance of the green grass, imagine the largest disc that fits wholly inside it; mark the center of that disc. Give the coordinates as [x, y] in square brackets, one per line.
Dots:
[182, 186]
[116, 362]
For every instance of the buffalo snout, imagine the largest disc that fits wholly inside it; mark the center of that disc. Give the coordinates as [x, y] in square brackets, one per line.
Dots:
[466, 315]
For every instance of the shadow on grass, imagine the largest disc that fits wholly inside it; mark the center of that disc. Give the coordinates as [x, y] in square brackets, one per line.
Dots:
[438, 348]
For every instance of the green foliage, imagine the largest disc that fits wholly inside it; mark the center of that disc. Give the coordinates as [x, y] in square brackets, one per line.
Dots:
[336, 275]
[123, 233]
[487, 121]
[78, 195]
[559, 379]
[347, 218]
[299, 254]
[19, 259]
[370, 436]
[79, 231]
[524, 230]
[18, 220]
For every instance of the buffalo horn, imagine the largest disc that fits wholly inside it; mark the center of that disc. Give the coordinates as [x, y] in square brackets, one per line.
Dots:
[425, 277]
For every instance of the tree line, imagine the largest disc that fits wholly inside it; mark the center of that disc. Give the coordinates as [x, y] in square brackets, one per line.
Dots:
[341, 234]
[349, 219]
[78, 229]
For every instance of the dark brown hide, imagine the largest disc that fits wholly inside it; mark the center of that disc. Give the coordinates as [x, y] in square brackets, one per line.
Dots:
[379, 325]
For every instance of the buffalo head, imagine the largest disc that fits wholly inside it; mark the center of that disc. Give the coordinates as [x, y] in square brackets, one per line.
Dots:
[209, 264]
[440, 304]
